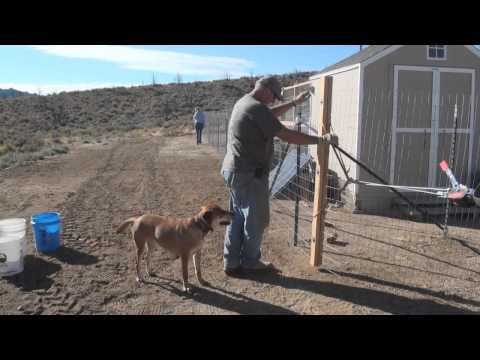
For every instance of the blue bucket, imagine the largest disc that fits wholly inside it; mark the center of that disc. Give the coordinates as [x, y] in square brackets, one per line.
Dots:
[46, 228]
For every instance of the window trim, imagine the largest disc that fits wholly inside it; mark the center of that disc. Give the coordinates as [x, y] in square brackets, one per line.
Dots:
[436, 58]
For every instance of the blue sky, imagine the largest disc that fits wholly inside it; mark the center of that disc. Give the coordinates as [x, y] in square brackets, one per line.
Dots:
[47, 69]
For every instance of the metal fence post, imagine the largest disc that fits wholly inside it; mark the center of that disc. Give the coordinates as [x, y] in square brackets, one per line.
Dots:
[452, 163]
[297, 185]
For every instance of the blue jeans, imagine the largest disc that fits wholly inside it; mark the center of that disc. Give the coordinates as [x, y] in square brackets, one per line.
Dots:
[199, 129]
[249, 202]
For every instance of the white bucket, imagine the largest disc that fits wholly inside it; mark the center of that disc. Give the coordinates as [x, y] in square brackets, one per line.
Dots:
[12, 246]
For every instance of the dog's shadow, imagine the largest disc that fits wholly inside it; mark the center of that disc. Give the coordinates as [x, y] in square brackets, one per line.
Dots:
[221, 298]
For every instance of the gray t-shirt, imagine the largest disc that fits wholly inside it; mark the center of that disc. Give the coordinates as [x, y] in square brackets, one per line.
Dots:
[250, 136]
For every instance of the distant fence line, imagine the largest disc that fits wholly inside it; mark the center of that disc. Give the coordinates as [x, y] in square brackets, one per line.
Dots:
[216, 129]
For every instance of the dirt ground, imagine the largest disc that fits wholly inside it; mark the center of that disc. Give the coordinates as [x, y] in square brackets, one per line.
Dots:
[374, 266]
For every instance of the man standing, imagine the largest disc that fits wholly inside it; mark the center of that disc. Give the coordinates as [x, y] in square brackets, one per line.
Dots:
[199, 119]
[246, 166]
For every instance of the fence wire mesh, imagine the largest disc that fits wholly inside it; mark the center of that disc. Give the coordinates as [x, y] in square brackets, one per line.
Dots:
[216, 129]
[370, 231]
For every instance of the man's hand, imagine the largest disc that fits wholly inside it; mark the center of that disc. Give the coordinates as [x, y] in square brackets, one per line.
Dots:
[330, 138]
[301, 98]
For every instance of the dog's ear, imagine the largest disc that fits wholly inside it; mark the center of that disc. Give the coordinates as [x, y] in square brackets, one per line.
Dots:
[210, 205]
[208, 216]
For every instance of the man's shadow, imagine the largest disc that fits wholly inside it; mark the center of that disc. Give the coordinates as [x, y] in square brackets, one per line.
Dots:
[423, 291]
[371, 298]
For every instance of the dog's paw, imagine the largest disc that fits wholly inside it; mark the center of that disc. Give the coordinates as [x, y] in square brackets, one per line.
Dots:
[187, 289]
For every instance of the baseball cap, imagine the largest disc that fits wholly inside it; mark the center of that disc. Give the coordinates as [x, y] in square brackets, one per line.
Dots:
[271, 83]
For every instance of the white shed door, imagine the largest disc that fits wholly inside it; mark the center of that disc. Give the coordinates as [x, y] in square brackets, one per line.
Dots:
[456, 88]
[423, 124]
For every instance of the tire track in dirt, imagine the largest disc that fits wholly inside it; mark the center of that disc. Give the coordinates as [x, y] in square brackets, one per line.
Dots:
[96, 258]
[175, 182]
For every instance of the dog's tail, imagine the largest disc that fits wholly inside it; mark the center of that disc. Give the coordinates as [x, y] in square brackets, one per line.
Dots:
[125, 224]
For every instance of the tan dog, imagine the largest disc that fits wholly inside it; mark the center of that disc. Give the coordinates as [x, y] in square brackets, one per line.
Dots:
[182, 237]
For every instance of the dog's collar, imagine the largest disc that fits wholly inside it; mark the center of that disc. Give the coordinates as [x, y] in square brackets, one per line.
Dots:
[203, 225]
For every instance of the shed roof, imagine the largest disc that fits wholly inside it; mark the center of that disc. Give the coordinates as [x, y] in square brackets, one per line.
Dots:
[356, 58]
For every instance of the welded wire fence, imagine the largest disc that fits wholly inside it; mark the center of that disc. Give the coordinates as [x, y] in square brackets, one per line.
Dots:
[407, 146]
[402, 138]
[405, 149]
[216, 129]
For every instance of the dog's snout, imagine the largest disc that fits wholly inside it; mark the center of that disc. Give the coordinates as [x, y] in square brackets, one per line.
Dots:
[227, 218]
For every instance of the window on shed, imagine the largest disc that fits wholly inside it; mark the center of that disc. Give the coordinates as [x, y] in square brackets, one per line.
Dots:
[436, 52]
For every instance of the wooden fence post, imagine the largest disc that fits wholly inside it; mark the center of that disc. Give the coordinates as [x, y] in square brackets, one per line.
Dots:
[321, 173]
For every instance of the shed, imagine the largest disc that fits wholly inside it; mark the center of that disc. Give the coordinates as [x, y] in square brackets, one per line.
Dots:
[393, 107]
